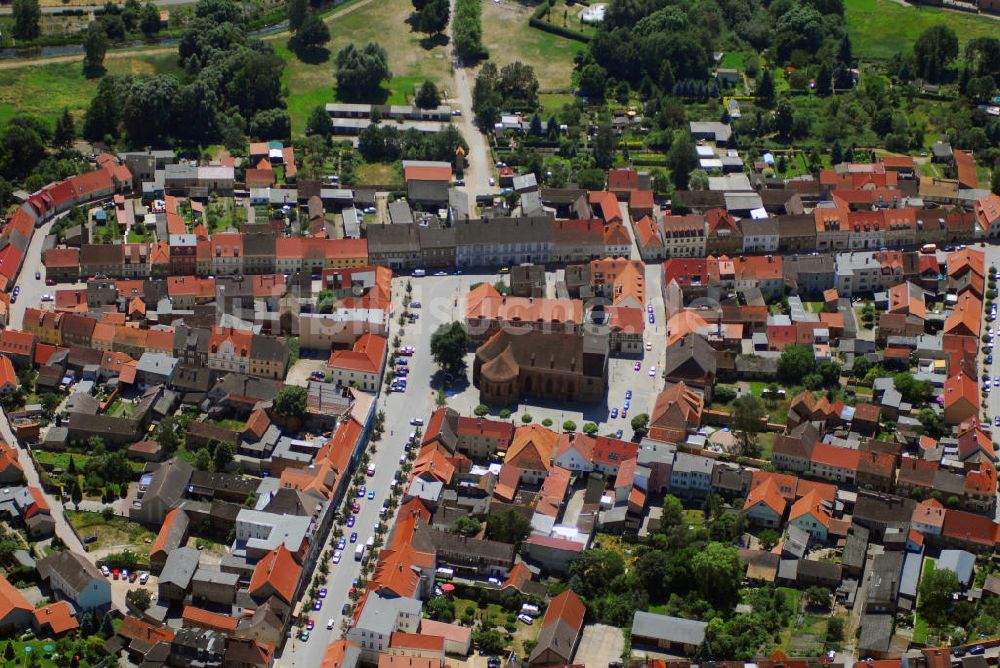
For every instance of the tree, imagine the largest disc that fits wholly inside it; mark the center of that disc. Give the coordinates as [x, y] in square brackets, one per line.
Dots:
[203, 460]
[297, 12]
[796, 362]
[569, 426]
[440, 608]
[698, 180]
[765, 89]
[433, 18]
[640, 424]
[837, 154]
[8, 652]
[27, 16]
[271, 124]
[65, 131]
[824, 80]
[507, 526]
[489, 640]
[449, 344]
[604, 145]
[428, 96]
[747, 421]
[593, 82]
[931, 423]
[222, 456]
[933, 51]
[682, 159]
[936, 589]
[290, 402]
[835, 629]
[76, 493]
[311, 35]
[149, 19]
[768, 539]
[95, 46]
[482, 410]
[360, 72]
[319, 122]
[467, 526]
[592, 573]
[718, 574]
[590, 428]
[818, 596]
[107, 626]
[995, 180]
[140, 598]
[166, 435]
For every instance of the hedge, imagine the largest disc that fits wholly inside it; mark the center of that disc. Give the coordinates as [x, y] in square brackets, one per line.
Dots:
[568, 33]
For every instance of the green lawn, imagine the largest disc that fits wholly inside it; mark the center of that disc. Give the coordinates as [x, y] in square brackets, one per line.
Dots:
[410, 59]
[813, 307]
[377, 173]
[508, 37]
[880, 28]
[44, 90]
[732, 59]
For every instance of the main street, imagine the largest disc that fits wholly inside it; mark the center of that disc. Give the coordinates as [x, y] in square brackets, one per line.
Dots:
[437, 295]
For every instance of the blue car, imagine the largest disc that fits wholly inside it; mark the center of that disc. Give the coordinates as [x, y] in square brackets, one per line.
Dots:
[350, 521]
[354, 536]
[341, 544]
[989, 359]
[318, 605]
[614, 412]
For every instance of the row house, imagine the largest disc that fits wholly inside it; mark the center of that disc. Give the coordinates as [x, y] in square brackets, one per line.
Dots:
[865, 272]
[832, 228]
[760, 236]
[742, 273]
[724, 236]
[649, 239]
[102, 259]
[830, 462]
[576, 240]
[229, 350]
[226, 252]
[503, 241]
[685, 236]
[183, 254]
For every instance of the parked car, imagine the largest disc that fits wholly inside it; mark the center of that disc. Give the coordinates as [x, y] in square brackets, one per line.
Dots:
[346, 609]
[318, 605]
[341, 543]
[38, 275]
[614, 413]
[354, 536]
[350, 521]
[310, 624]
[977, 649]
[329, 624]
[144, 578]
[371, 494]
[525, 618]
[322, 592]
[336, 556]
[107, 571]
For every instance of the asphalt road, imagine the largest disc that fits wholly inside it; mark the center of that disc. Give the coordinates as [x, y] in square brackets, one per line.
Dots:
[437, 296]
[31, 289]
[992, 371]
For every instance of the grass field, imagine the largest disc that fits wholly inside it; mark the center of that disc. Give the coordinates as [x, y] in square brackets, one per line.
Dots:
[117, 532]
[378, 174]
[410, 59]
[880, 28]
[43, 91]
[508, 37]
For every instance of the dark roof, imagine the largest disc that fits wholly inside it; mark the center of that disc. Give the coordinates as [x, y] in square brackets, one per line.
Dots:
[169, 482]
[219, 482]
[270, 348]
[876, 634]
[76, 570]
[259, 244]
[102, 254]
[251, 387]
[883, 509]
[691, 356]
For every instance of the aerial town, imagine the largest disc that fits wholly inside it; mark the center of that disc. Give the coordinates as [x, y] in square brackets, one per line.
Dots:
[463, 334]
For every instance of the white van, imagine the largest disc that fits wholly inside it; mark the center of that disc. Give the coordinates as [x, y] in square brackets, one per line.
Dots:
[419, 272]
[529, 609]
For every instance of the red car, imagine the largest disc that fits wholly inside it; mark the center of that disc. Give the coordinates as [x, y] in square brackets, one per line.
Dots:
[114, 574]
[50, 281]
[310, 625]
[356, 508]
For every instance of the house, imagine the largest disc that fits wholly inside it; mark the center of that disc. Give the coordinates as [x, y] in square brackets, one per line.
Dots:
[74, 578]
[671, 634]
[277, 574]
[691, 476]
[160, 492]
[362, 366]
[811, 513]
[378, 617]
[560, 631]
[765, 505]
[175, 578]
[961, 398]
[16, 614]
[457, 638]
[173, 532]
[676, 410]
[691, 360]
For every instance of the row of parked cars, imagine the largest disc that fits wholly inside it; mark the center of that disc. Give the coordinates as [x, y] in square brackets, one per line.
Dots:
[125, 574]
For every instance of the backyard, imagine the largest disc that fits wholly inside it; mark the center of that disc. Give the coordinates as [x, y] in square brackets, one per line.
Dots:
[521, 634]
[116, 533]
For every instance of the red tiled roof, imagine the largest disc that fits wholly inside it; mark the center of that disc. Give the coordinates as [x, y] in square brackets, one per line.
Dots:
[969, 527]
[566, 607]
[201, 618]
[59, 617]
[279, 571]
[965, 164]
[831, 455]
[133, 628]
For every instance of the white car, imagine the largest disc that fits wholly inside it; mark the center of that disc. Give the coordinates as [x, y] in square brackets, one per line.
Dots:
[649, 345]
[525, 618]
[336, 556]
[105, 571]
[652, 371]
[417, 422]
[493, 181]
[47, 297]
[329, 623]
[144, 578]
